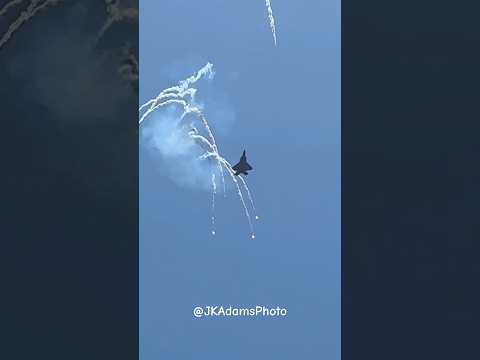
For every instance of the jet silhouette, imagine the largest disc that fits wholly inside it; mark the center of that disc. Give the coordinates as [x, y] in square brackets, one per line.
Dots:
[243, 166]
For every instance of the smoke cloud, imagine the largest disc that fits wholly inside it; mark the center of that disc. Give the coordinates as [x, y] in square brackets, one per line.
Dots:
[178, 129]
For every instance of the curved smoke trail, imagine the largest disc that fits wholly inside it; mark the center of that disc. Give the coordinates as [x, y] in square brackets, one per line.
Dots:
[8, 5]
[183, 95]
[116, 12]
[271, 21]
[32, 9]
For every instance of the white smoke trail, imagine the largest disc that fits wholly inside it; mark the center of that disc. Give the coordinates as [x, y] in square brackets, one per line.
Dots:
[33, 8]
[207, 155]
[180, 91]
[129, 69]
[194, 110]
[230, 171]
[183, 95]
[116, 13]
[204, 144]
[114, 9]
[239, 192]
[250, 198]
[8, 5]
[209, 149]
[177, 95]
[271, 20]
[214, 192]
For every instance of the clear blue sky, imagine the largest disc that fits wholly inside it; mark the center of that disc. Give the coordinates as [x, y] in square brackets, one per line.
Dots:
[286, 105]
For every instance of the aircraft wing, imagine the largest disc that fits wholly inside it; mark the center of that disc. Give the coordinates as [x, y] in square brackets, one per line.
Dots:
[236, 167]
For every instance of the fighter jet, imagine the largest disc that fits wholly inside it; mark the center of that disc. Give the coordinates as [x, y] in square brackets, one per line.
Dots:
[243, 166]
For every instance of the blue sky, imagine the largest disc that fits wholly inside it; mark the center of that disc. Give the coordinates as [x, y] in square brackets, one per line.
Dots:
[285, 102]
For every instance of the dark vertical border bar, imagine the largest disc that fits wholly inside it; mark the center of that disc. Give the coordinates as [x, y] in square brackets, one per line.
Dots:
[69, 145]
[410, 145]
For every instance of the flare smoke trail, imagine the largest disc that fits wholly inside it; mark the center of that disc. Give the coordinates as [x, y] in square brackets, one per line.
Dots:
[214, 192]
[116, 14]
[33, 8]
[9, 5]
[271, 20]
[183, 96]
